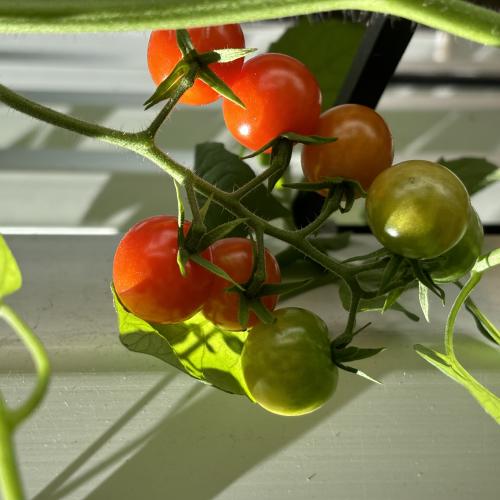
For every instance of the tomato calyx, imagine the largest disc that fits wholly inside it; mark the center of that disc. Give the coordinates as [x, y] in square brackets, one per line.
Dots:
[194, 65]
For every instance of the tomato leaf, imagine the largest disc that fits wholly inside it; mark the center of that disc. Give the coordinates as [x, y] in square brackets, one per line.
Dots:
[475, 173]
[489, 401]
[228, 172]
[10, 275]
[196, 347]
[326, 48]
[483, 324]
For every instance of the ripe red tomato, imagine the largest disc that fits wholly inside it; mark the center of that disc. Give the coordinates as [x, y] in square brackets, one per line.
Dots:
[146, 276]
[362, 150]
[280, 95]
[164, 54]
[235, 256]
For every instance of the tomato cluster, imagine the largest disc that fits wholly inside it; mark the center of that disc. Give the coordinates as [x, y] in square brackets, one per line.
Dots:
[416, 209]
[149, 283]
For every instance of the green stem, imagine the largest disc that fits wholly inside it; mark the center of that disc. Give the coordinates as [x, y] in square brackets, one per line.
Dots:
[142, 144]
[10, 482]
[329, 206]
[186, 83]
[259, 271]
[39, 356]
[48, 115]
[458, 17]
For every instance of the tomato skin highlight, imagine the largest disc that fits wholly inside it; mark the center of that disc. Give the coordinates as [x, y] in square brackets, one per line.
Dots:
[460, 259]
[235, 256]
[362, 150]
[146, 276]
[287, 365]
[164, 54]
[418, 209]
[280, 95]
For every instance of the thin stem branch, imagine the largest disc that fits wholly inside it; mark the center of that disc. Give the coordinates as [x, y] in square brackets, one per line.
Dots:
[48, 115]
[259, 274]
[10, 482]
[186, 83]
[39, 356]
[330, 205]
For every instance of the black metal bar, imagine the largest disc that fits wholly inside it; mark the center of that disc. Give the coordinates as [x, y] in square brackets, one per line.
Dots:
[380, 51]
[381, 48]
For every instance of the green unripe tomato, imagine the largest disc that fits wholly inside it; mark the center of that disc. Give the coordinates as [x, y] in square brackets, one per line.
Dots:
[418, 209]
[460, 259]
[287, 365]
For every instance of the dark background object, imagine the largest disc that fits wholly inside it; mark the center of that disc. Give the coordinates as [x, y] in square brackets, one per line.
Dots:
[383, 44]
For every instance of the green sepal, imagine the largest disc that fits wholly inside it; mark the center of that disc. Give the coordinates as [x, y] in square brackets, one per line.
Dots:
[293, 137]
[220, 232]
[280, 288]
[360, 373]
[424, 277]
[352, 353]
[328, 183]
[224, 55]
[243, 312]
[261, 311]
[210, 266]
[423, 298]
[167, 88]
[184, 42]
[390, 271]
[281, 154]
[207, 76]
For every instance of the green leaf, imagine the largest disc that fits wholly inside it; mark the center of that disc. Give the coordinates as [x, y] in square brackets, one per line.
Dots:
[423, 298]
[326, 48]
[196, 347]
[10, 274]
[484, 325]
[489, 401]
[228, 172]
[475, 173]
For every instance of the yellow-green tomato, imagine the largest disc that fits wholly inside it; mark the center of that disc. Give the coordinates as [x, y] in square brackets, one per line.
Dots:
[287, 365]
[418, 209]
[460, 259]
